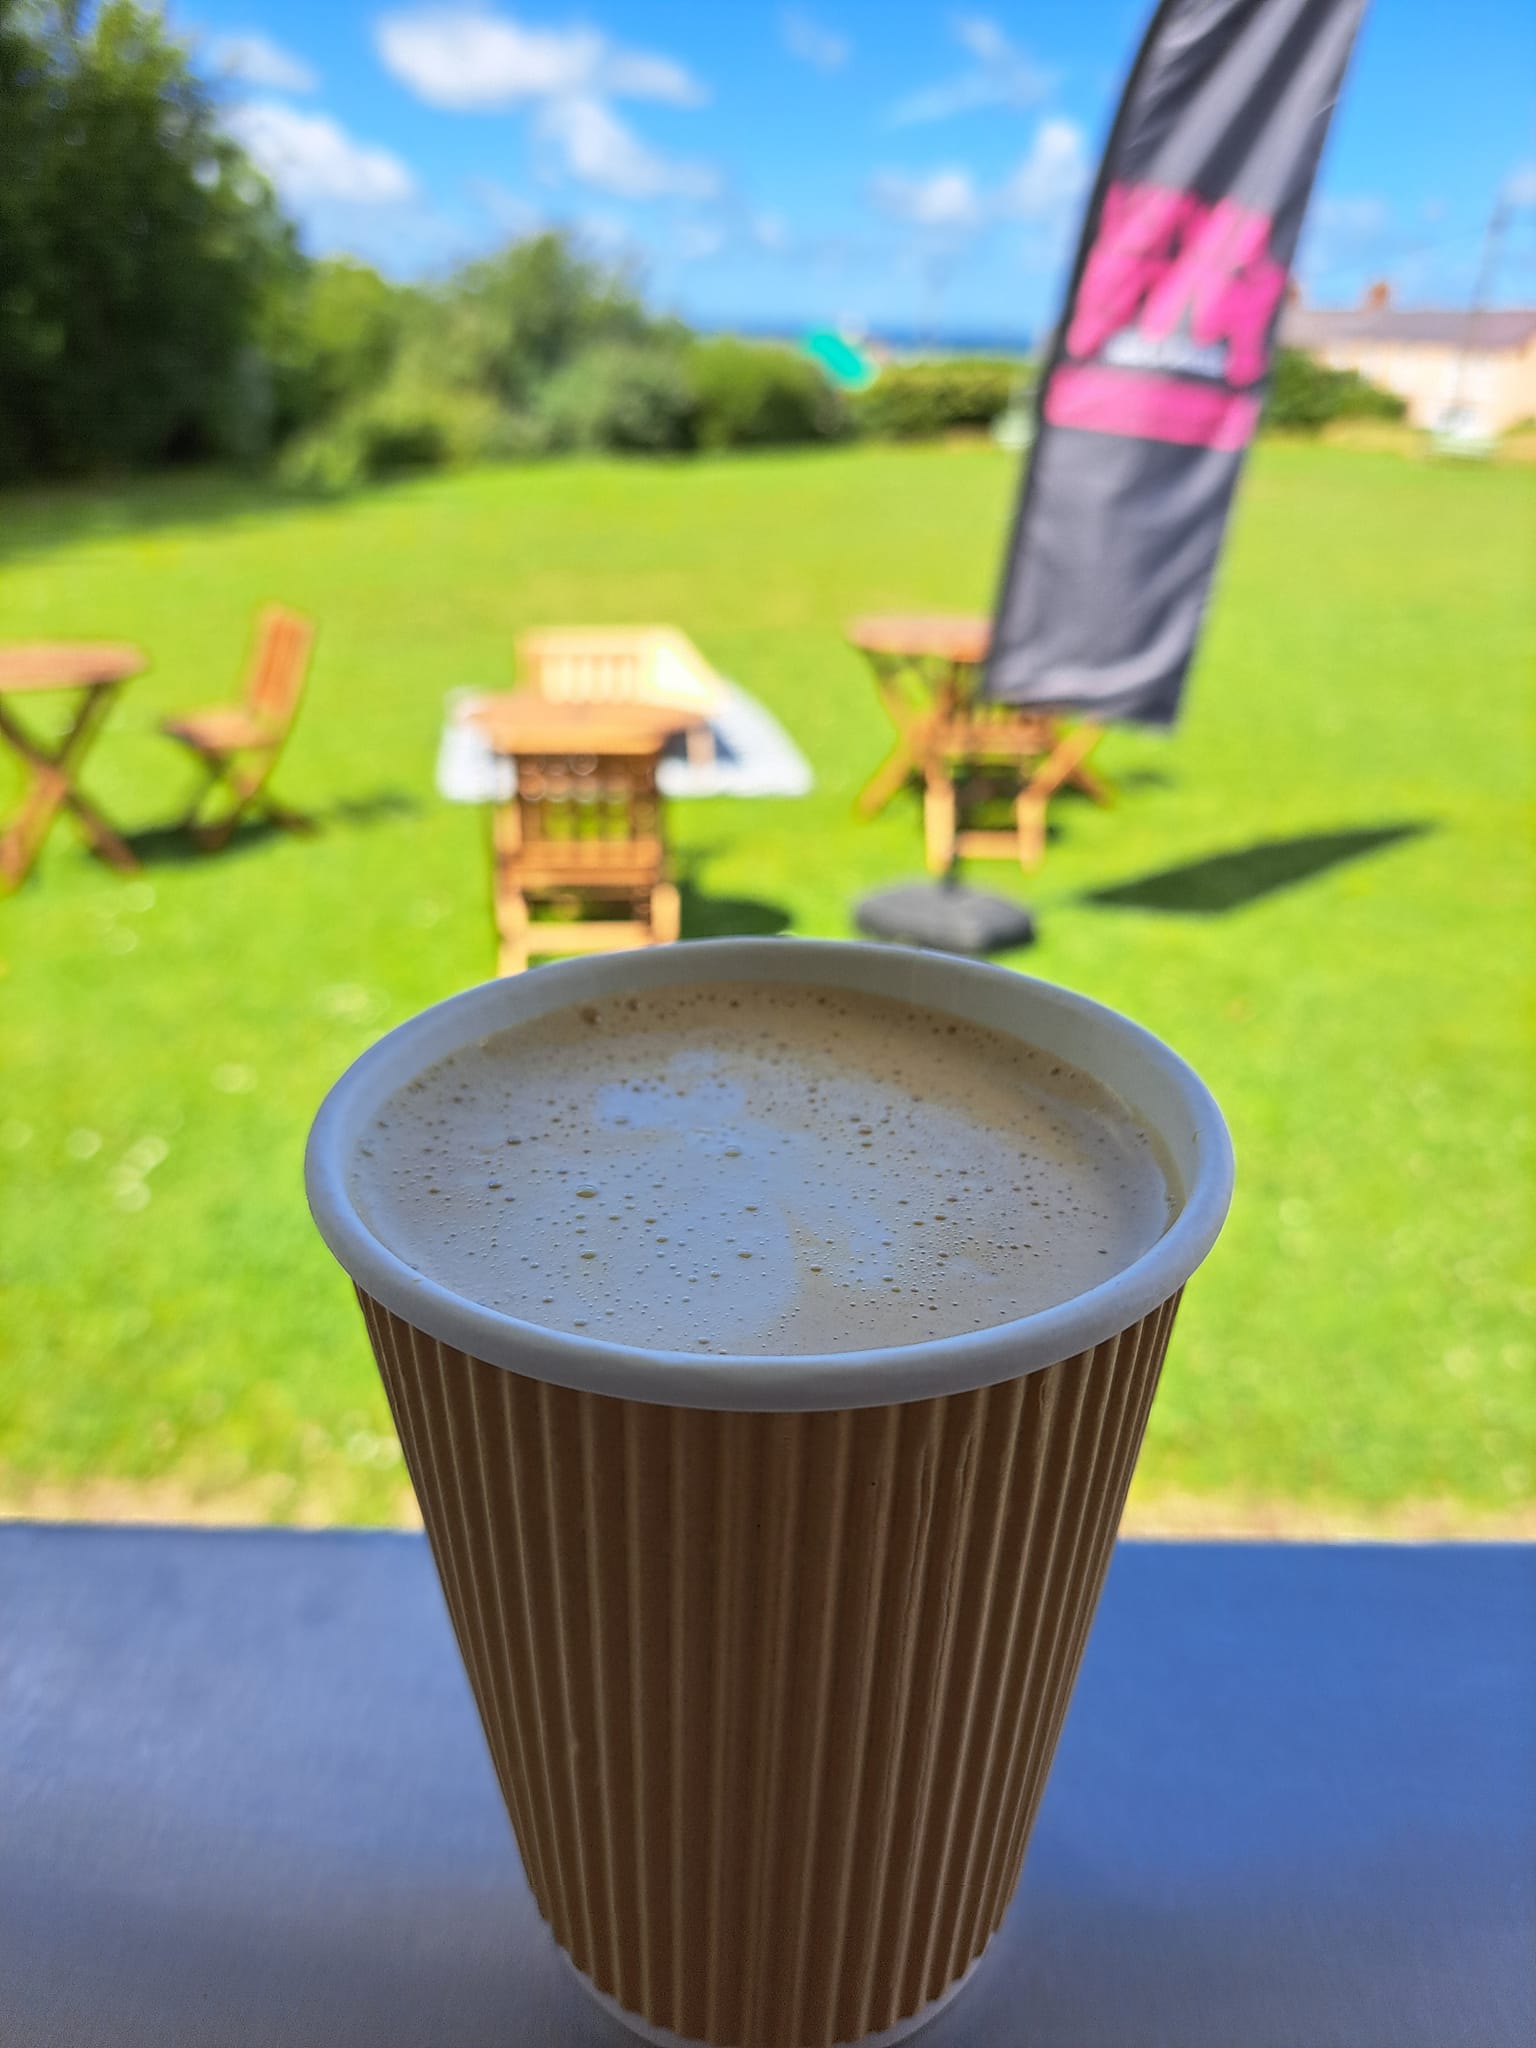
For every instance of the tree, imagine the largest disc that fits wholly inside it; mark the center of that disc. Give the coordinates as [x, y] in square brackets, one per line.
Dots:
[511, 320]
[332, 334]
[137, 244]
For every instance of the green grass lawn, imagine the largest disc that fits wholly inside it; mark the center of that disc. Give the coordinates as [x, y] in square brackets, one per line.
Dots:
[1319, 891]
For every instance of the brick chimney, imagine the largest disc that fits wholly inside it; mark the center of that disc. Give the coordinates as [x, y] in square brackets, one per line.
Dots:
[1378, 297]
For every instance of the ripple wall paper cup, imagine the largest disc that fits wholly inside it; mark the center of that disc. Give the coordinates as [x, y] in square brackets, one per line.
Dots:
[772, 1654]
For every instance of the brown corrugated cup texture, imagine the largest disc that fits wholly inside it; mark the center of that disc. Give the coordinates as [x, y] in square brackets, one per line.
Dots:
[772, 1697]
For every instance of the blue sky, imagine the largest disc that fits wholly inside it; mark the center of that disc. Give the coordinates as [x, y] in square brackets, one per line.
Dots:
[843, 161]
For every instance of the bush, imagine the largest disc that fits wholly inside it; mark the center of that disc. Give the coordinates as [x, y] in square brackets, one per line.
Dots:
[1305, 395]
[751, 394]
[909, 401]
[627, 397]
[322, 464]
[404, 426]
[332, 336]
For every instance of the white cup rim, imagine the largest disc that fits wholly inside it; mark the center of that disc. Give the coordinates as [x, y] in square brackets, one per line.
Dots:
[1158, 1086]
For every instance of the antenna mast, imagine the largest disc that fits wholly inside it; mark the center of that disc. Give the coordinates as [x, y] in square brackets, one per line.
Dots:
[1482, 291]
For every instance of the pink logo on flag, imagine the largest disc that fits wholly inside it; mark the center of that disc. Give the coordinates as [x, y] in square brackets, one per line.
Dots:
[1173, 288]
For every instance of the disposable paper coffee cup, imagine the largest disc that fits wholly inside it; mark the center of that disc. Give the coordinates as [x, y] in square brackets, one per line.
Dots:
[772, 1653]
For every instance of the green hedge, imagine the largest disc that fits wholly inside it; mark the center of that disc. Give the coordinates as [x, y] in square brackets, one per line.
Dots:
[1305, 395]
[754, 394]
[909, 401]
[628, 397]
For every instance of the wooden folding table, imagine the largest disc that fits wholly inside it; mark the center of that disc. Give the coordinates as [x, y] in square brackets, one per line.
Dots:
[97, 670]
[527, 722]
[926, 666]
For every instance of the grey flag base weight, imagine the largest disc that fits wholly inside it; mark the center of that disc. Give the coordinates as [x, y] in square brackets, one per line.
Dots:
[945, 916]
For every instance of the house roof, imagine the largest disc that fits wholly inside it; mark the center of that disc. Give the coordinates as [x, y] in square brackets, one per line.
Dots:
[1490, 331]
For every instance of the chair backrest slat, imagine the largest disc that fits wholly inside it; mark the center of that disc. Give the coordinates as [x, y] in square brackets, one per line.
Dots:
[588, 811]
[595, 675]
[278, 666]
[618, 665]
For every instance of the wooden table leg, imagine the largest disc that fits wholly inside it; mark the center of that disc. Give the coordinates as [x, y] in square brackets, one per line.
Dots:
[50, 788]
[886, 781]
[105, 843]
[939, 814]
[41, 794]
[906, 757]
[666, 913]
[1088, 779]
[1063, 764]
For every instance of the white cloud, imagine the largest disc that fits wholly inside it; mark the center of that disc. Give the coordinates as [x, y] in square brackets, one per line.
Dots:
[642, 75]
[310, 157]
[698, 240]
[408, 241]
[942, 199]
[472, 59]
[1052, 177]
[1348, 242]
[1042, 190]
[730, 227]
[1342, 230]
[1520, 186]
[600, 150]
[512, 213]
[812, 41]
[460, 59]
[1358, 217]
[469, 59]
[984, 38]
[1001, 75]
[606, 236]
[255, 59]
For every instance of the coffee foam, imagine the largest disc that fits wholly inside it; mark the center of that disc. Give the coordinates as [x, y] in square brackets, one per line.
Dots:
[760, 1169]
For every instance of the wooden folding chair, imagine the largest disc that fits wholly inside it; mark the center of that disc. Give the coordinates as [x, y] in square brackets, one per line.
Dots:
[584, 832]
[239, 745]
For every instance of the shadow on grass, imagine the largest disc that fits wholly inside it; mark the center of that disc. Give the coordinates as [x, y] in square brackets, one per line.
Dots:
[38, 517]
[172, 846]
[1226, 881]
[728, 917]
[1142, 778]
